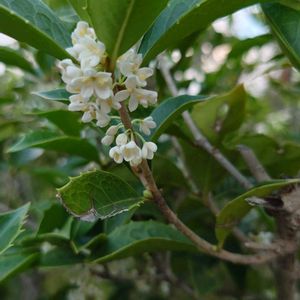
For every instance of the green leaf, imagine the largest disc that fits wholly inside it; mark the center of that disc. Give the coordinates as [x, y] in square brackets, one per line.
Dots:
[121, 23]
[12, 264]
[285, 24]
[33, 22]
[221, 115]
[80, 7]
[14, 58]
[236, 209]
[11, 223]
[169, 110]
[181, 18]
[139, 237]
[98, 194]
[50, 140]
[65, 120]
[60, 95]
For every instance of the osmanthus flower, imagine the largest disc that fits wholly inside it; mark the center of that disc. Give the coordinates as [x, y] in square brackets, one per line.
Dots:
[97, 92]
[146, 125]
[82, 30]
[93, 83]
[148, 150]
[116, 154]
[129, 65]
[89, 52]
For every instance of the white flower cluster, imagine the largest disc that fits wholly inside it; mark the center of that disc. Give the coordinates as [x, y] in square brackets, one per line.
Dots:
[97, 92]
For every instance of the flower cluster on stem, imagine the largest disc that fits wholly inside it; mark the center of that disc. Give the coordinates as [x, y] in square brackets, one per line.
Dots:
[97, 93]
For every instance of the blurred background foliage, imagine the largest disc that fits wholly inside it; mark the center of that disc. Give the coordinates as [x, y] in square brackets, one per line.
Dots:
[264, 115]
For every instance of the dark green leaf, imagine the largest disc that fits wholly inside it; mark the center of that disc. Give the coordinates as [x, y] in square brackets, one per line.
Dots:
[11, 264]
[33, 22]
[11, 223]
[65, 120]
[139, 237]
[285, 24]
[236, 209]
[169, 110]
[121, 23]
[181, 18]
[60, 95]
[14, 58]
[98, 194]
[50, 140]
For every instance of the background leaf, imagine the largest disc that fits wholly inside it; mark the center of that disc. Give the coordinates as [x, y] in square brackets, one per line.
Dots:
[121, 23]
[181, 18]
[285, 24]
[236, 209]
[169, 110]
[139, 237]
[50, 140]
[10, 226]
[33, 22]
[12, 264]
[60, 95]
[14, 58]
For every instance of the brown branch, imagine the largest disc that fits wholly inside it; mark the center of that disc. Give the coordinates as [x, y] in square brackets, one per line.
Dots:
[146, 177]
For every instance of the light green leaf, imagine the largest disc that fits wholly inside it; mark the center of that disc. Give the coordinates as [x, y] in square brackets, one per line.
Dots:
[12, 264]
[33, 22]
[98, 194]
[169, 110]
[50, 140]
[60, 95]
[80, 7]
[139, 237]
[181, 18]
[121, 23]
[11, 223]
[236, 209]
[14, 58]
[221, 115]
[65, 120]
[285, 24]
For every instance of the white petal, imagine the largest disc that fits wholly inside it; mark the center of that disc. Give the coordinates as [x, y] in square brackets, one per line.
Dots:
[121, 96]
[121, 139]
[133, 103]
[107, 140]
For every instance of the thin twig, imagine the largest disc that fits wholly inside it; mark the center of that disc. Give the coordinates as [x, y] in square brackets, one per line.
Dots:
[253, 164]
[200, 140]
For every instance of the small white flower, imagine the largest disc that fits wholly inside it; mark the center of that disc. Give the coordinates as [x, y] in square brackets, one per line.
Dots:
[142, 97]
[82, 30]
[107, 140]
[148, 150]
[121, 139]
[103, 119]
[89, 113]
[77, 103]
[113, 102]
[116, 154]
[93, 83]
[69, 71]
[146, 125]
[129, 65]
[131, 151]
[112, 130]
[89, 52]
